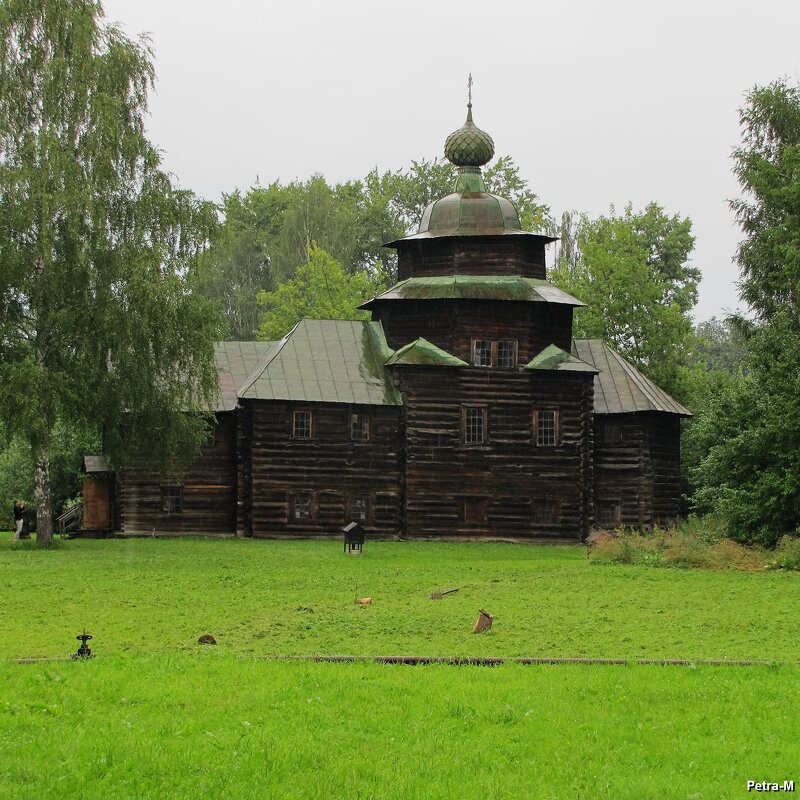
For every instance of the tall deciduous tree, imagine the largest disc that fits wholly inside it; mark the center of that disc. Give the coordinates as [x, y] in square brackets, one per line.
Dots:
[750, 465]
[632, 270]
[97, 326]
[320, 289]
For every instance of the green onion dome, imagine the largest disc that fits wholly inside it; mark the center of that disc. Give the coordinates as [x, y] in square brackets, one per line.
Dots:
[469, 146]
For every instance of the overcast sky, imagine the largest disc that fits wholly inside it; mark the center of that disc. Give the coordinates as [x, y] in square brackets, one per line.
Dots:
[598, 103]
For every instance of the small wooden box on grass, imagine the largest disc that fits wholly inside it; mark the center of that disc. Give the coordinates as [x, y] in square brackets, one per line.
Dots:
[353, 537]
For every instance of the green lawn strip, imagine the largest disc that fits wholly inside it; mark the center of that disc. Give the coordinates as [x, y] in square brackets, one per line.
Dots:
[214, 725]
[297, 598]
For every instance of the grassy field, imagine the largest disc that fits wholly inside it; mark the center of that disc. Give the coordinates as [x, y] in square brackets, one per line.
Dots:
[157, 716]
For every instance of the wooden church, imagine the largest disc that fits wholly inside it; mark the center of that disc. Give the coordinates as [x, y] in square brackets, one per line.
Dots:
[464, 408]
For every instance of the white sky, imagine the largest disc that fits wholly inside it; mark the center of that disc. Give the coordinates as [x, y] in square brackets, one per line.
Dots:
[597, 102]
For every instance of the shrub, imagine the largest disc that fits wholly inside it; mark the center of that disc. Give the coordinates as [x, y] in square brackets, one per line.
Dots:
[788, 553]
[693, 544]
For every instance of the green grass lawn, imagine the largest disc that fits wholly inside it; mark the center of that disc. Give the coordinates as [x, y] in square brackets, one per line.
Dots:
[157, 716]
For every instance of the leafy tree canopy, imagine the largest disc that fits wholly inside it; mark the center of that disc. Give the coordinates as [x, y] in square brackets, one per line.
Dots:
[320, 289]
[632, 270]
[267, 231]
[746, 441]
[98, 329]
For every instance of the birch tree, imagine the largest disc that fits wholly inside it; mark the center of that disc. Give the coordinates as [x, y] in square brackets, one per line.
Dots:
[97, 326]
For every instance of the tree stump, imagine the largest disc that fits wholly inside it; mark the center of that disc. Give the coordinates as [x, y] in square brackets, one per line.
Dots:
[483, 623]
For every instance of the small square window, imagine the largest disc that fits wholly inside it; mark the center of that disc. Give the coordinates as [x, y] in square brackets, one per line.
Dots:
[474, 420]
[481, 353]
[359, 427]
[301, 425]
[172, 501]
[301, 505]
[472, 509]
[507, 354]
[545, 512]
[611, 432]
[609, 513]
[211, 439]
[546, 428]
[359, 508]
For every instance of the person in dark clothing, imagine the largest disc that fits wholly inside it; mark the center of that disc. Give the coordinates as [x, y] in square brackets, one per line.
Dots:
[18, 507]
[26, 523]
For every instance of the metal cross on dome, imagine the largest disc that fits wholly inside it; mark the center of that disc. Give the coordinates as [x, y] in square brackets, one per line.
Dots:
[469, 91]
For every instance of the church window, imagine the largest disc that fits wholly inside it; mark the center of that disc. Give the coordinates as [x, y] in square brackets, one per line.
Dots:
[545, 428]
[481, 353]
[172, 501]
[301, 425]
[611, 432]
[545, 512]
[359, 427]
[507, 354]
[301, 505]
[474, 423]
[359, 508]
[609, 513]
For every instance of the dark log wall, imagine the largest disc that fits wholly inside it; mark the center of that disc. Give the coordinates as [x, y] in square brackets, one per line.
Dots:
[329, 467]
[487, 255]
[503, 487]
[639, 473]
[622, 484]
[665, 463]
[208, 491]
[453, 324]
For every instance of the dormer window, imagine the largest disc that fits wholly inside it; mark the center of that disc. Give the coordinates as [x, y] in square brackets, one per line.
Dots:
[501, 354]
[507, 354]
[481, 353]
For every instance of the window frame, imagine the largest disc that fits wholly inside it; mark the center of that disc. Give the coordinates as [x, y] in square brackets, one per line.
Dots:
[465, 409]
[174, 490]
[611, 432]
[365, 416]
[473, 510]
[514, 347]
[546, 502]
[295, 496]
[295, 414]
[494, 352]
[610, 503]
[536, 419]
[357, 498]
[474, 345]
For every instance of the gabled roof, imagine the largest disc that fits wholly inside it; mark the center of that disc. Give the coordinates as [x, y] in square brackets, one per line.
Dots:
[421, 352]
[235, 361]
[554, 358]
[331, 361]
[620, 388]
[476, 287]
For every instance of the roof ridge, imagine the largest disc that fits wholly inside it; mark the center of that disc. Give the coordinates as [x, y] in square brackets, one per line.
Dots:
[266, 361]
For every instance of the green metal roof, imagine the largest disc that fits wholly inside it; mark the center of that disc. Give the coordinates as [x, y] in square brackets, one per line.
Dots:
[476, 287]
[331, 361]
[620, 388]
[421, 352]
[235, 361]
[554, 358]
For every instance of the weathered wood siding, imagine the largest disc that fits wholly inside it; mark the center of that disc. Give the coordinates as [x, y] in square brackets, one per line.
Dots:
[98, 502]
[208, 491]
[487, 255]
[329, 467]
[492, 489]
[665, 465]
[640, 473]
[621, 472]
[453, 324]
